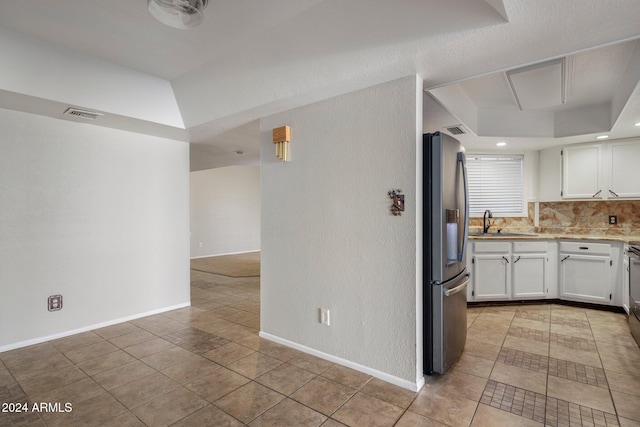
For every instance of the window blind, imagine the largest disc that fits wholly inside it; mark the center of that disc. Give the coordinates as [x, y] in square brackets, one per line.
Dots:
[495, 183]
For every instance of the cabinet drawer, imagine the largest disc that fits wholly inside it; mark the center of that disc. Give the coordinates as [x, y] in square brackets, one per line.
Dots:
[485, 247]
[585, 247]
[521, 247]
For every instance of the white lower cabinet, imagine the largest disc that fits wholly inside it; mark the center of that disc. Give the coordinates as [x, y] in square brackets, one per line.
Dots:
[529, 275]
[586, 272]
[491, 277]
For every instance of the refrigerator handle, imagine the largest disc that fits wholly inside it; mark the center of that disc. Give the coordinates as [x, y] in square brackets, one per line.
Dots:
[463, 162]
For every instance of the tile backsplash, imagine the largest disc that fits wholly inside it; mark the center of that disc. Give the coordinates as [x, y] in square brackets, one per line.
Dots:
[574, 217]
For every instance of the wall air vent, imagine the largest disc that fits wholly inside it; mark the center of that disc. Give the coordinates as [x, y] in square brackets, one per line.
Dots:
[75, 112]
[455, 130]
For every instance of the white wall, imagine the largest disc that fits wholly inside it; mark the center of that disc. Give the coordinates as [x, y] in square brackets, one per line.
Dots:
[95, 214]
[329, 239]
[225, 210]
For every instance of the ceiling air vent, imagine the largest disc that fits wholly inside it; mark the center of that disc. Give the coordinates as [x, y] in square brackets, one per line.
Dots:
[456, 130]
[89, 115]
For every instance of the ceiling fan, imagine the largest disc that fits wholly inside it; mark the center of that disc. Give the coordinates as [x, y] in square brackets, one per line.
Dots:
[178, 13]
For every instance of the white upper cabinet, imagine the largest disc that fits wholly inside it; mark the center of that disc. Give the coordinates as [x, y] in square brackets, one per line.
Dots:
[581, 172]
[624, 160]
[590, 171]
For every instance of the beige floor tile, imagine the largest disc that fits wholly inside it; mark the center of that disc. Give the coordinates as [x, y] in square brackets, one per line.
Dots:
[626, 422]
[289, 413]
[106, 362]
[571, 331]
[450, 410]
[347, 376]
[91, 351]
[117, 377]
[116, 330]
[249, 401]
[216, 384]
[626, 405]
[91, 412]
[456, 383]
[526, 345]
[29, 354]
[190, 370]
[181, 402]
[254, 365]
[74, 393]
[40, 366]
[590, 358]
[169, 357]
[617, 364]
[531, 324]
[332, 423]
[624, 382]
[519, 377]
[486, 416]
[135, 337]
[310, 363]
[128, 419]
[168, 327]
[411, 419]
[286, 378]
[72, 342]
[228, 353]
[52, 380]
[393, 394]
[323, 395]
[144, 390]
[582, 394]
[622, 339]
[621, 352]
[368, 411]
[487, 334]
[148, 348]
[208, 416]
[474, 365]
[477, 348]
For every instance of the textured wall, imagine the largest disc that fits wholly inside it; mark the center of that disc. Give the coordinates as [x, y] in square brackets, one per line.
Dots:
[328, 238]
[98, 215]
[225, 210]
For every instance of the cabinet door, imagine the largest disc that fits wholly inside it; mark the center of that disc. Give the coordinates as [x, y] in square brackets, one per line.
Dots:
[624, 160]
[585, 278]
[581, 172]
[491, 277]
[529, 275]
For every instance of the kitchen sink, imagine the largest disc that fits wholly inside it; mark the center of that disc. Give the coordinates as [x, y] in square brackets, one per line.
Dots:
[502, 234]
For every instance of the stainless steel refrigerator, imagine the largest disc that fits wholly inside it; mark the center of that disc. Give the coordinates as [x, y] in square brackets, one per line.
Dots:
[446, 229]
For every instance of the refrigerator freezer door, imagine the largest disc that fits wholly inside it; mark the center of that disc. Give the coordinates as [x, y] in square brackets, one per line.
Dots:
[449, 335]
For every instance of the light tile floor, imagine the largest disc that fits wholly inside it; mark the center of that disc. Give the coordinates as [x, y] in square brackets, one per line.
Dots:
[206, 366]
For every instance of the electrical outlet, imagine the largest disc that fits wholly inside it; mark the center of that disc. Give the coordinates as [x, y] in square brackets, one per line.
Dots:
[200, 244]
[613, 219]
[324, 316]
[55, 302]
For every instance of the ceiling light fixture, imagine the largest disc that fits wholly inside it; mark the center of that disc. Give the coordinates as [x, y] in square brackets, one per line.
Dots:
[602, 137]
[501, 144]
[637, 124]
[178, 13]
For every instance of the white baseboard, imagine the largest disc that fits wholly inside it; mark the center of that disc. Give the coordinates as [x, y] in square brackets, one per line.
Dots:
[226, 253]
[39, 340]
[400, 382]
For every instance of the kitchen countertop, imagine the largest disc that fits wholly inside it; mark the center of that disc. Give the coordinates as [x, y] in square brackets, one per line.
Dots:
[555, 236]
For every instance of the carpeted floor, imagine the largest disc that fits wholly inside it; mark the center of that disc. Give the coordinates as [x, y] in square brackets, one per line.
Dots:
[238, 265]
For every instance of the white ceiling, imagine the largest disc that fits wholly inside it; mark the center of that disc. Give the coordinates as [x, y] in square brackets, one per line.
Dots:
[249, 59]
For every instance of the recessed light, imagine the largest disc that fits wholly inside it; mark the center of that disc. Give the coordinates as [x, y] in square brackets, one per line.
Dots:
[602, 136]
[501, 144]
[637, 124]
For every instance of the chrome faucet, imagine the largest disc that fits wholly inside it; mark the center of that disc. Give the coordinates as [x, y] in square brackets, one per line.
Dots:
[486, 223]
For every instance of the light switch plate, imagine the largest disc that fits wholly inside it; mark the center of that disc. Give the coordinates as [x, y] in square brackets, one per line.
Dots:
[613, 219]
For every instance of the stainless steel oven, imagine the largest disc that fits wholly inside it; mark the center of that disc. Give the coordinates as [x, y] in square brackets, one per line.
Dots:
[634, 290]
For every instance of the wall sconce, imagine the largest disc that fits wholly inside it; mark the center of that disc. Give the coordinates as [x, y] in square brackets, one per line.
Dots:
[282, 137]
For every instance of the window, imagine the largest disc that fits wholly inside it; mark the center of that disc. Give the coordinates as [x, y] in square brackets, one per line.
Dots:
[496, 183]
